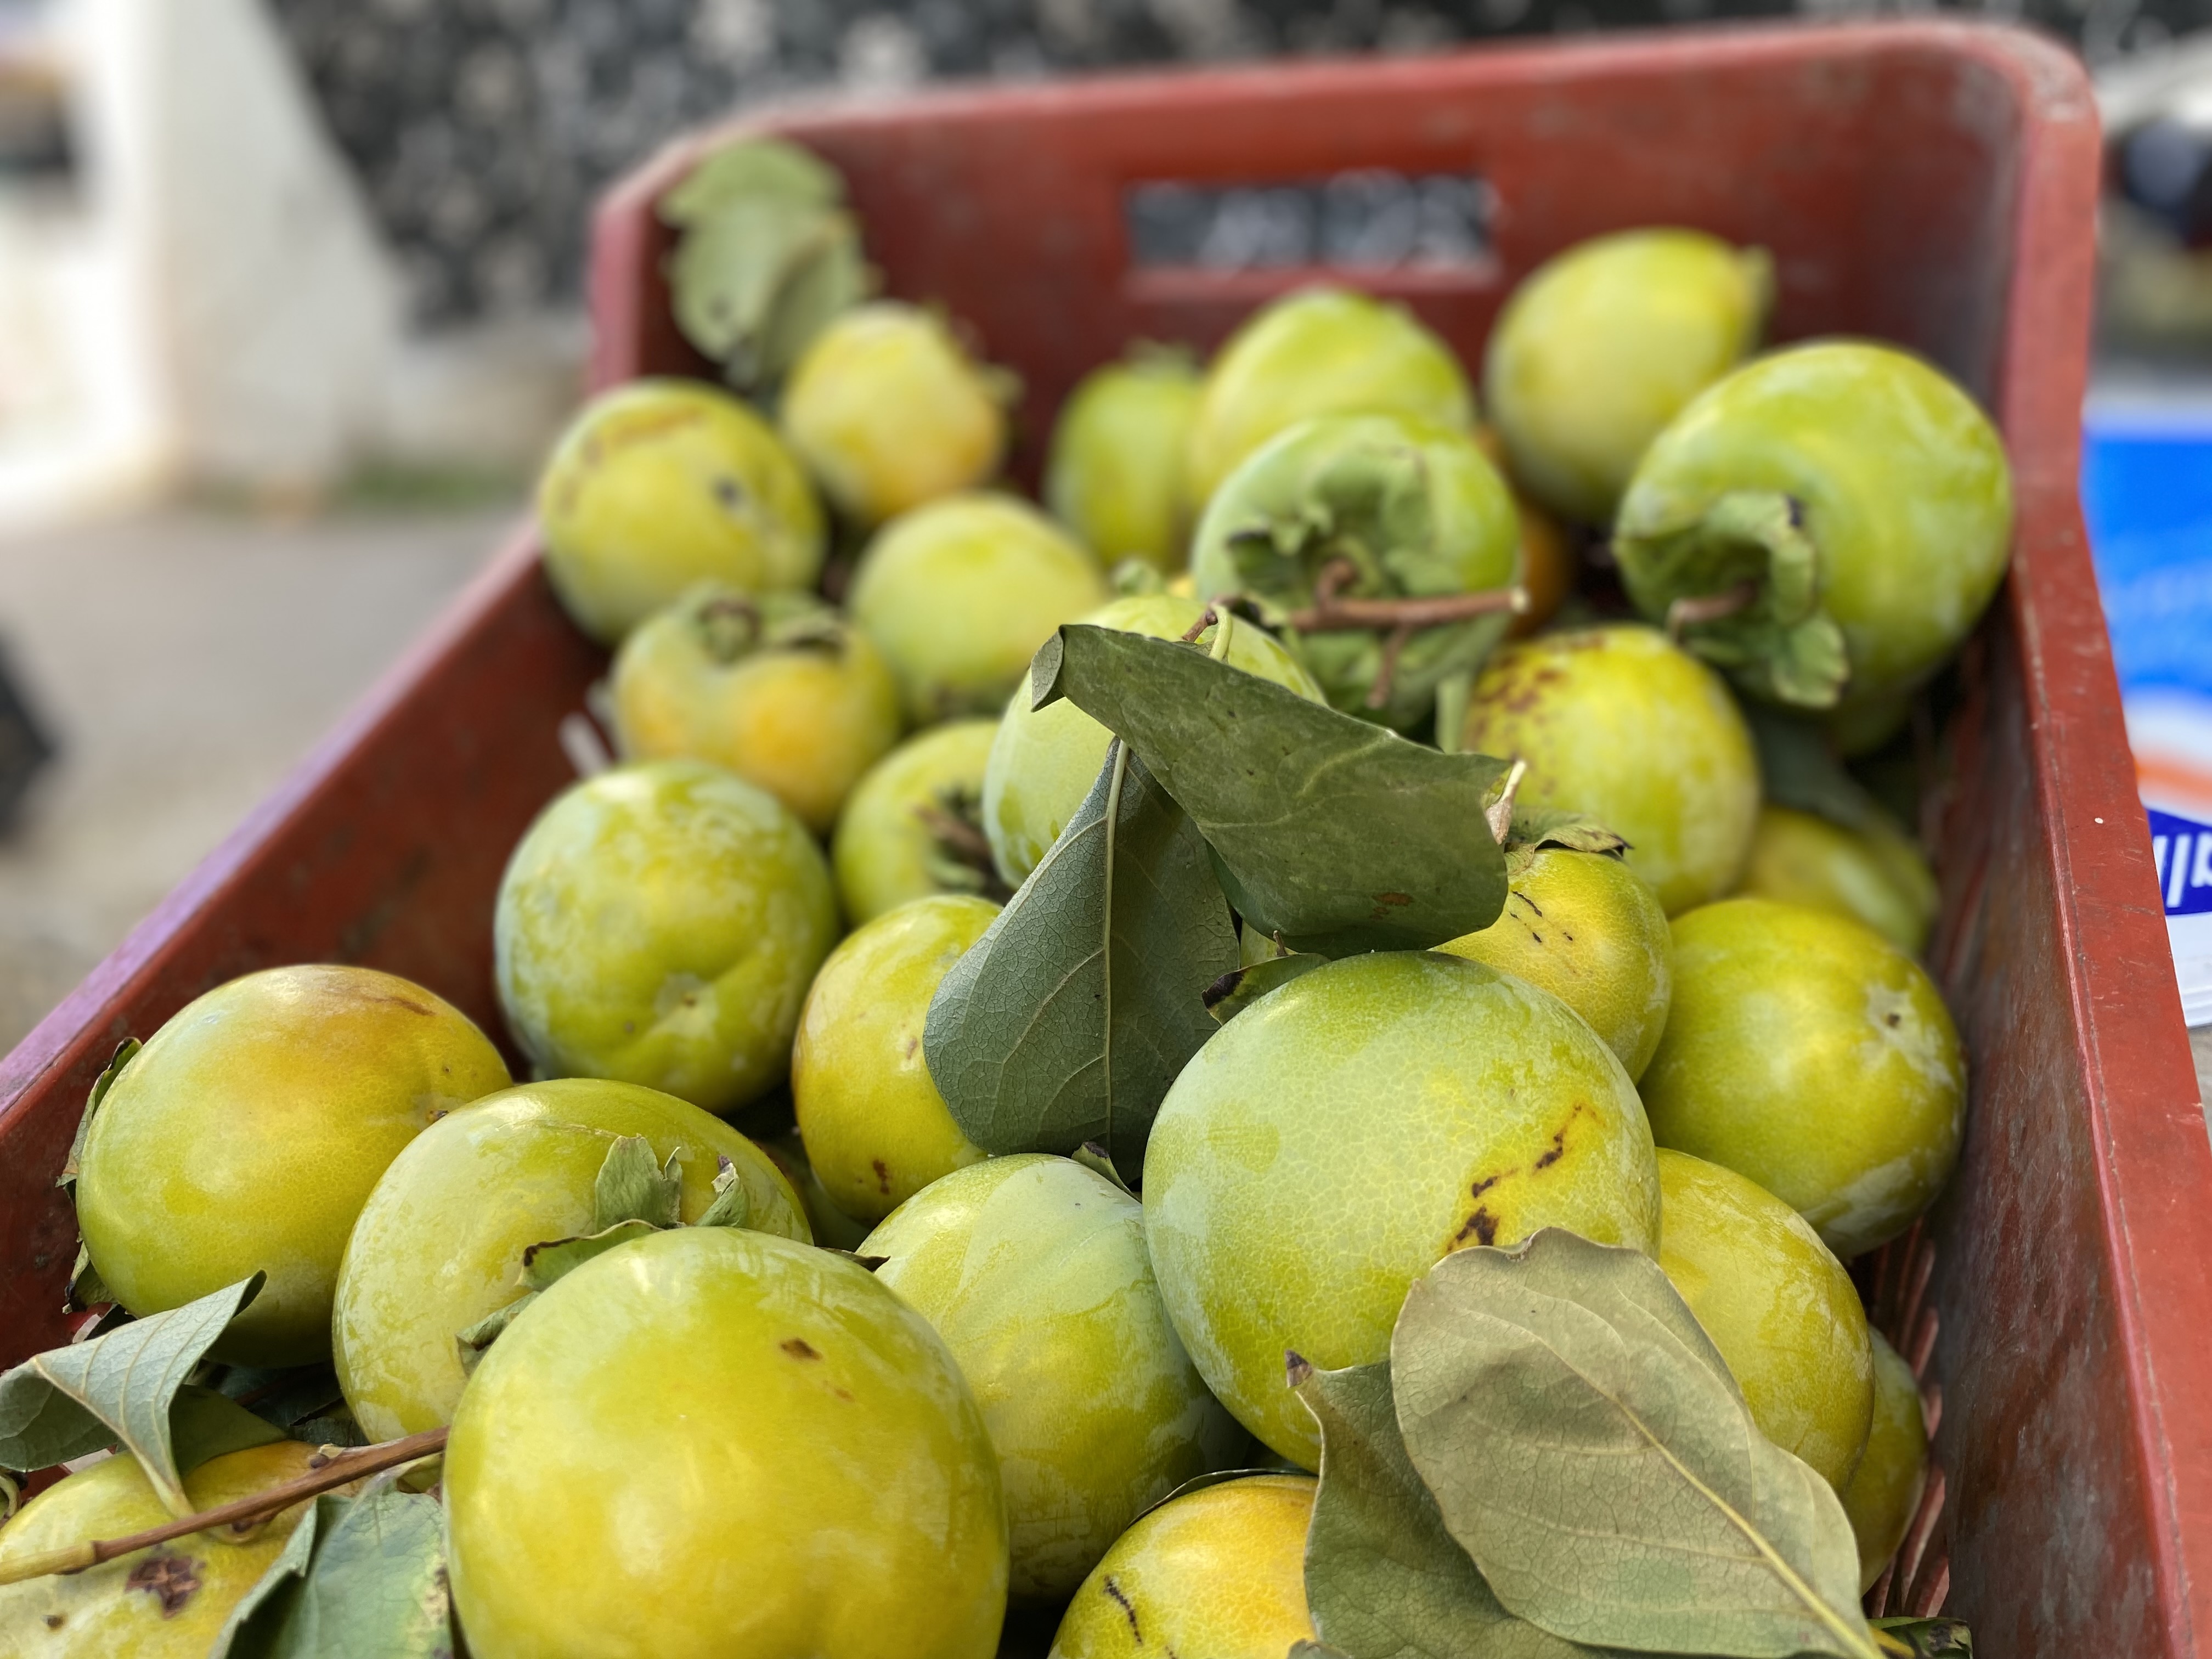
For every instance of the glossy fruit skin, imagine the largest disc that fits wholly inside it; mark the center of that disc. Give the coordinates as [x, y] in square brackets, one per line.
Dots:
[1600, 346]
[1590, 930]
[1044, 761]
[1332, 1142]
[248, 1132]
[1809, 1053]
[713, 1441]
[1875, 875]
[661, 483]
[1779, 1307]
[1219, 1571]
[877, 1131]
[888, 412]
[1033, 1270]
[1413, 506]
[886, 851]
[1617, 723]
[1901, 481]
[440, 1244]
[960, 594]
[659, 924]
[1320, 351]
[169, 1602]
[1886, 1488]
[1116, 473]
[773, 689]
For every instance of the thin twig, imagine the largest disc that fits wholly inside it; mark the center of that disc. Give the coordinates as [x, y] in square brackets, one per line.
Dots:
[1693, 608]
[1204, 621]
[343, 1467]
[1330, 615]
[1378, 695]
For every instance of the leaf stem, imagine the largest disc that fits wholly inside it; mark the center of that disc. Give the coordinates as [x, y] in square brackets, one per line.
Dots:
[1693, 608]
[1500, 815]
[343, 1467]
[1331, 615]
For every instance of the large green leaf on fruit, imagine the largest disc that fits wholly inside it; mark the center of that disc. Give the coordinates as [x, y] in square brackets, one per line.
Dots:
[1798, 768]
[1587, 1446]
[1384, 1579]
[1337, 835]
[1068, 1020]
[129, 1386]
[359, 1578]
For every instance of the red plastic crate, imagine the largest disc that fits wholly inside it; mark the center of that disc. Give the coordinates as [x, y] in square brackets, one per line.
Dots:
[1927, 182]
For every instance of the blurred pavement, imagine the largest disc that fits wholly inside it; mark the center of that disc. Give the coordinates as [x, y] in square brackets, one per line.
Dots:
[185, 660]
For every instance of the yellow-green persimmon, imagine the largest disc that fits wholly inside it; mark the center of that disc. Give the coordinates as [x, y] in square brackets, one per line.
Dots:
[246, 1134]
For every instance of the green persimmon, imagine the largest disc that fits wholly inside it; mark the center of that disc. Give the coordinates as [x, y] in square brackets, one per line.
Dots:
[1840, 513]
[1579, 923]
[1807, 1052]
[1320, 351]
[1600, 347]
[1033, 1269]
[889, 410]
[1779, 1307]
[660, 484]
[912, 828]
[1886, 1488]
[1621, 726]
[439, 1246]
[711, 1441]
[1365, 508]
[1116, 473]
[169, 1602]
[1873, 874]
[659, 924]
[1219, 1571]
[1336, 1140]
[877, 1131]
[247, 1133]
[777, 689]
[1043, 760]
[961, 592]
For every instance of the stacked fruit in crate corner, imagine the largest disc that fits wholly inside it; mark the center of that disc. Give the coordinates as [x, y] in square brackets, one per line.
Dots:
[1285, 1058]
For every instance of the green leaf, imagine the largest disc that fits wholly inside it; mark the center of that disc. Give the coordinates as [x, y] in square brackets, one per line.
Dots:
[1926, 1638]
[1798, 766]
[204, 1425]
[1748, 556]
[545, 1265]
[1092, 1157]
[731, 1207]
[121, 1386]
[1067, 1020]
[1587, 1446]
[634, 1186]
[125, 1052]
[1239, 988]
[1338, 834]
[766, 255]
[285, 1396]
[359, 1578]
[87, 1289]
[1384, 1579]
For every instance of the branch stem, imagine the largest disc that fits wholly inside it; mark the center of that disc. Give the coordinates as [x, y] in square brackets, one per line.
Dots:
[1694, 608]
[239, 1515]
[1330, 615]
